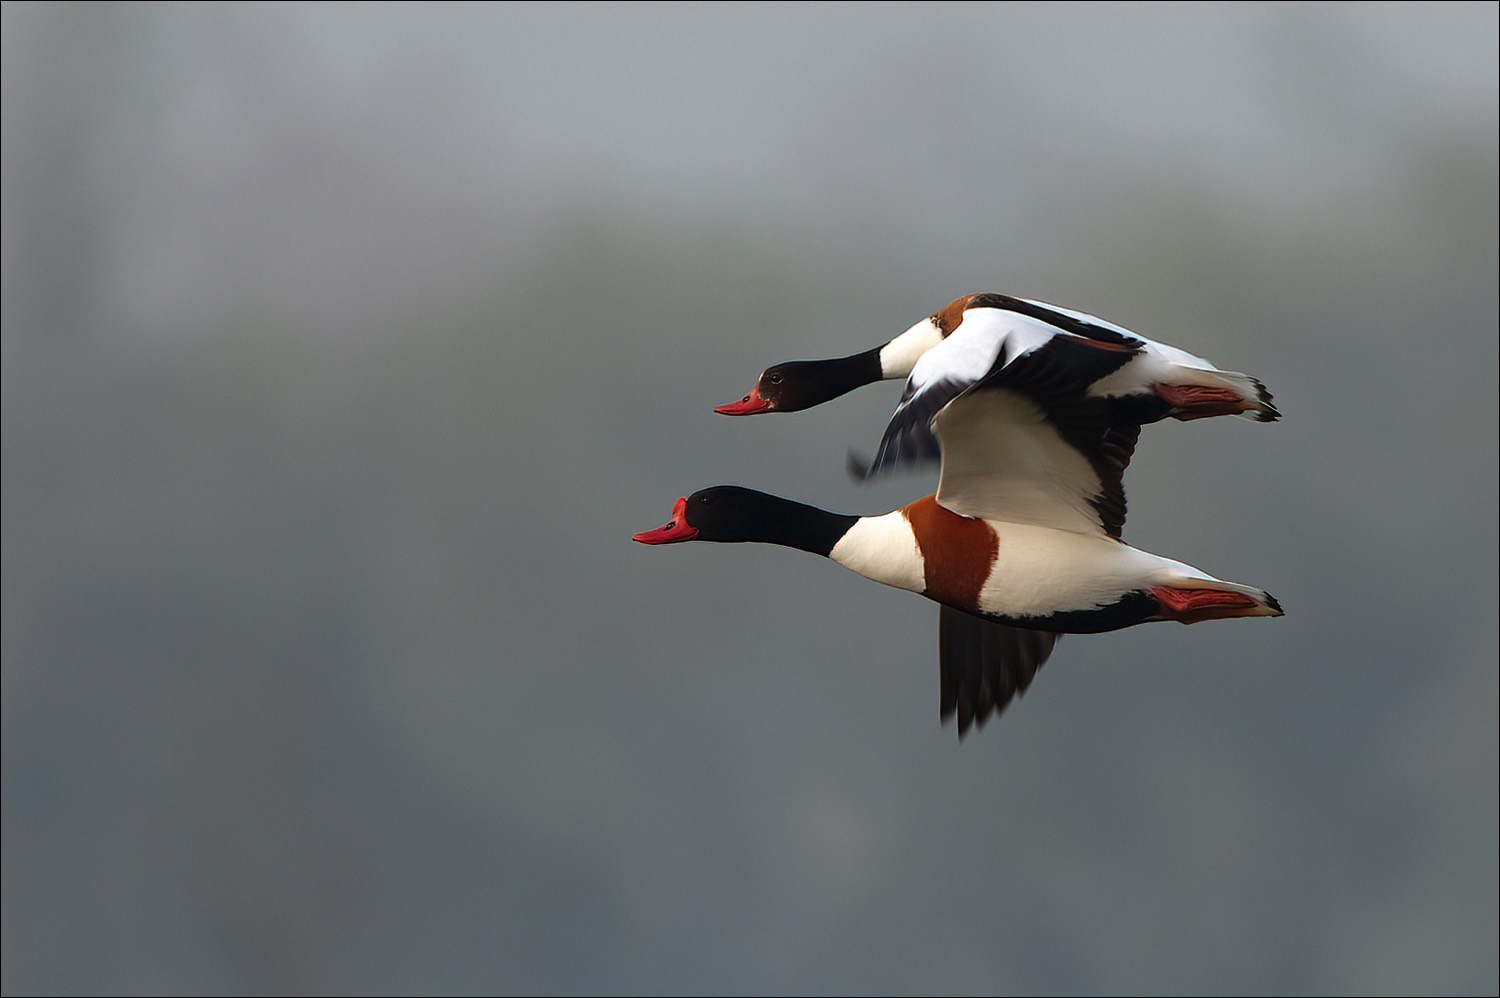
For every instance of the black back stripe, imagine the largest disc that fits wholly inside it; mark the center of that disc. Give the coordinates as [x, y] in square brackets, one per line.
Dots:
[1062, 320]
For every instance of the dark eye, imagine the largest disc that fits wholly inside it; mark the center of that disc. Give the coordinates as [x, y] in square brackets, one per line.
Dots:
[705, 500]
[775, 379]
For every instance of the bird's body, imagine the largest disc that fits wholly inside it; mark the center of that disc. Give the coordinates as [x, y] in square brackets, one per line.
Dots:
[959, 344]
[1007, 587]
[1032, 576]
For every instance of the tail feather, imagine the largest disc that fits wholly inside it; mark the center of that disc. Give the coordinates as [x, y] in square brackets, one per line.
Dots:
[1199, 393]
[1265, 411]
[1190, 600]
[1261, 409]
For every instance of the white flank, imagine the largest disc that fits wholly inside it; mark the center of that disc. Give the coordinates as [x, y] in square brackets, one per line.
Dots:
[1156, 366]
[1041, 571]
[883, 549]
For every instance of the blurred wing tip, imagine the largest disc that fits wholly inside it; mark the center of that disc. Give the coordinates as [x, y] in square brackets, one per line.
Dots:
[860, 468]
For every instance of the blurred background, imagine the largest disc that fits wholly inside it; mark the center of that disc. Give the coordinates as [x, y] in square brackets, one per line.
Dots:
[344, 347]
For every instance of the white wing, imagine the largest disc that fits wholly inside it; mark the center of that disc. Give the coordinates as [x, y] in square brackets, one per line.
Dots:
[989, 340]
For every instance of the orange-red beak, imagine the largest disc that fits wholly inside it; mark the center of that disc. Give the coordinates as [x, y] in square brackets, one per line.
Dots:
[749, 405]
[675, 529]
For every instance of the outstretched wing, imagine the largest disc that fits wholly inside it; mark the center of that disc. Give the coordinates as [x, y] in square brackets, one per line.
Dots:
[984, 665]
[992, 337]
[1027, 445]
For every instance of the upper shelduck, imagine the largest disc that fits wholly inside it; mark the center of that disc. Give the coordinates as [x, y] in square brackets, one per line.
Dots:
[965, 337]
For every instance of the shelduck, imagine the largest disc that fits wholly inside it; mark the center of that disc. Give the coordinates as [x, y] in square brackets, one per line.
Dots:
[960, 342]
[1020, 543]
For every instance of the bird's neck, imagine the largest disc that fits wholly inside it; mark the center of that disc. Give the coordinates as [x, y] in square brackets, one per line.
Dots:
[828, 379]
[774, 520]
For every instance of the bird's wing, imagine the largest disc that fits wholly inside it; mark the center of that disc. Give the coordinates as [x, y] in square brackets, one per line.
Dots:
[984, 665]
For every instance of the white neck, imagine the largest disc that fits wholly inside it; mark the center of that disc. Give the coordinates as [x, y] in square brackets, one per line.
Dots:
[900, 355]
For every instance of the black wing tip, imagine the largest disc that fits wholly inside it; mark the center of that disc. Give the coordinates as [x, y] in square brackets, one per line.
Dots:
[909, 438]
[985, 666]
[968, 719]
[912, 447]
[971, 717]
[858, 466]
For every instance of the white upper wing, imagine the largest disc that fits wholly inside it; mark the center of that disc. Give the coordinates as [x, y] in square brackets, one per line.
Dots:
[1004, 400]
[986, 343]
[1004, 460]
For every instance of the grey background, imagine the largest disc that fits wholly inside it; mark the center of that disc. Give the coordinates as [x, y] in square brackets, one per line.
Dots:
[344, 348]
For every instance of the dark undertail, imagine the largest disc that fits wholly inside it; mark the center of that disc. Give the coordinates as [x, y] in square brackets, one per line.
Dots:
[1131, 609]
[1140, 409]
